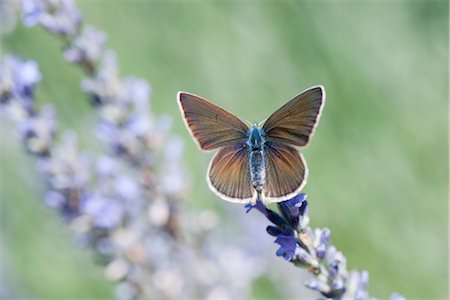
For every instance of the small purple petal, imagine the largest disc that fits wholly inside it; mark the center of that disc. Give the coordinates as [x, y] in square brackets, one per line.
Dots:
[318, 285]
[323, 242]
[127, 188]
[273, 230]
[288, 245]
[105, 212]
[258, 206]
[294, 209]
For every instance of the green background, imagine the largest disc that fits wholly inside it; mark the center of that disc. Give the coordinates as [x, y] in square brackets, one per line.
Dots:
[378, 162]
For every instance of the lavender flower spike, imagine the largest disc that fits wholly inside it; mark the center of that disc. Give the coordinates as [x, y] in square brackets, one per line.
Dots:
[131, 216]
[17, 81]
[311, 249]
[87, 48]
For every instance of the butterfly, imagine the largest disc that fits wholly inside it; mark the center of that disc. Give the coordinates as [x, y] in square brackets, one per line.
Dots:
[255, 162]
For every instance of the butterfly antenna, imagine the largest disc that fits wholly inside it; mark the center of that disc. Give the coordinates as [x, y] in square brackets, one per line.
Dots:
[248, 123]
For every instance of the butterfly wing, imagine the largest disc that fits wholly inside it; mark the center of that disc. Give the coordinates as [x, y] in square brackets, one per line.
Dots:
[294, 122]
[229, 175]
[211, 126]
[286, 172]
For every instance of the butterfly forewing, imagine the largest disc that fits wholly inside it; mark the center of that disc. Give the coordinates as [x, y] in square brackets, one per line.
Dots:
[295, 121]
[229, 175]
[286, 172]
[211, 126]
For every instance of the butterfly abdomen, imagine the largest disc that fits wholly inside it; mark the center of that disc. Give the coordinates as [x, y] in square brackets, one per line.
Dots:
[257, 166]
[256, 163]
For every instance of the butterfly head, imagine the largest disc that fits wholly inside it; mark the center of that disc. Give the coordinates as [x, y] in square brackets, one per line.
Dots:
[256, 137]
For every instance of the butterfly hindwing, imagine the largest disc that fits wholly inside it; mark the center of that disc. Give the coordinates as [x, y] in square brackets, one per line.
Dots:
[286, 172]
[294, 122]
[211, 126]
[229, 176]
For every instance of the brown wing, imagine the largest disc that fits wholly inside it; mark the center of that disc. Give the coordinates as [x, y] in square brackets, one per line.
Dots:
[211, 126]
[295, 121]
[286, 172]
[229, 175]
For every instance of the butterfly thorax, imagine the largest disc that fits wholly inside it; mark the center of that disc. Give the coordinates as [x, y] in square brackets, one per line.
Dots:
[257, 166]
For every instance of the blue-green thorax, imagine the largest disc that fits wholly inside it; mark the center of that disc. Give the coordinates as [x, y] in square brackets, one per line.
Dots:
[256, 160]
[256, 137]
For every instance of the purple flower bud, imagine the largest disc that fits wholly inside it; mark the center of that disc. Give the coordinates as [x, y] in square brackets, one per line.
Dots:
[273, 230]
[37, 132]
[106, 86]
[304, 257]
[322, 241]
[288, 245]
[139, 125]
[293, 209]
[26, 75]
[136, 91]
[105, 212]
[361, 290]
[127, 188]
[318, 285]
[54, 199]
[106, 166]
[17, 81]
[59, 17]
[86, 48]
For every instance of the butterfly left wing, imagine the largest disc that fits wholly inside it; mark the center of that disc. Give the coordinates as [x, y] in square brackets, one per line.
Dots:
[229, 176]
[211, 126]
[286, 172]
[294, 122]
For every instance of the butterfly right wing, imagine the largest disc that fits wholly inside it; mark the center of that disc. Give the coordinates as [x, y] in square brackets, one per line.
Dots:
[286, 172]
[211, 126]
[294, 122]
[229, 175]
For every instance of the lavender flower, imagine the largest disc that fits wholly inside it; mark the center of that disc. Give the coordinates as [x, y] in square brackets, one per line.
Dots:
[87, 48]
[60, 17]
[37, 132]
[114, 197]
[106, 84]
[311, 249]
[17, 81]
[130, 215]
[67, 176]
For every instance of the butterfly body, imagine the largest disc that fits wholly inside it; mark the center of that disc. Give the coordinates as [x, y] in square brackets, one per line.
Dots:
[257, 162]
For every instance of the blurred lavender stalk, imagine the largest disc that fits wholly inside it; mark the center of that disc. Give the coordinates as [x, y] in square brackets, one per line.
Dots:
[131, 213]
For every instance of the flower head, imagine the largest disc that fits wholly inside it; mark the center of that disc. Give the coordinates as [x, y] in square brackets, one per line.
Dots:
[37, 132]
[288, 244]
[60, 17]
[86, 48]
[294, 209]
[17, 82]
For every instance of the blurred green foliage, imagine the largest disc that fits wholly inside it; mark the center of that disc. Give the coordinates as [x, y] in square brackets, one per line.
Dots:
[378, 162]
